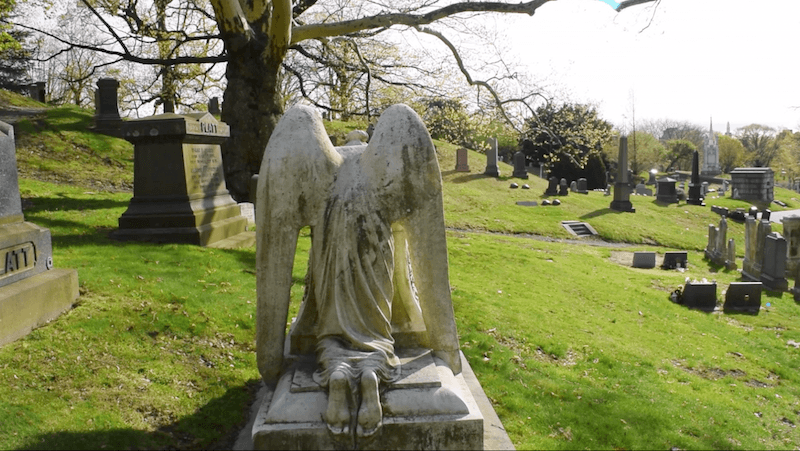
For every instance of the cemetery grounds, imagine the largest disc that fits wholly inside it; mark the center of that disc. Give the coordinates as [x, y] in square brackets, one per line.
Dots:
[574, 348]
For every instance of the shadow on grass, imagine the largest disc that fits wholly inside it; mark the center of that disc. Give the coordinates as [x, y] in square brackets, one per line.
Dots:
[66, 203]
[601, 212]
[215, 425]
[469, 177]
[663, 204]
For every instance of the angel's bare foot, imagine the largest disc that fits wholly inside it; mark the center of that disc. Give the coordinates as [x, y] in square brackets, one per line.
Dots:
[370, 414]
[337, 415]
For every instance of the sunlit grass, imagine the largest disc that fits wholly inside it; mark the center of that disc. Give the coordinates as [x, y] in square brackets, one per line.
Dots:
[574, 349]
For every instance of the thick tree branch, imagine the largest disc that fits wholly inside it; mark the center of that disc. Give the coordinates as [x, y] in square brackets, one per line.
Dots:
[280, 28]
[232, 22]
[312, 31]
[628, 3]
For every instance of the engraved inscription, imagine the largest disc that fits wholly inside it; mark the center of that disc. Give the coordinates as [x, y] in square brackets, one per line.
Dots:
[17, 259]
[206, 128]
[206, 169]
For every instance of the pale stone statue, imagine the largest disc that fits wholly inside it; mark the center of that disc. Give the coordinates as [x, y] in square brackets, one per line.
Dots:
[378, 261]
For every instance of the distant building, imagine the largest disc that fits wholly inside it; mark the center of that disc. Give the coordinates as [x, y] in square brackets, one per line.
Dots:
[710, 152]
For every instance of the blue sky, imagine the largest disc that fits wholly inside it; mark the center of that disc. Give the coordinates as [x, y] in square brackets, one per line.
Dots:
[612, 3]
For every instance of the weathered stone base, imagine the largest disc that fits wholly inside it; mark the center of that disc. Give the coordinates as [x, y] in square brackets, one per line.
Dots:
[428, 408]
[751, 274]
[772, 283]
[623, 206]
[492, 171]
[32, 302]
[200, 221]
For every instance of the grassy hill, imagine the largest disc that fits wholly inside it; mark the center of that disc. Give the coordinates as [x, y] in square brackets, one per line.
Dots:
[574, 348]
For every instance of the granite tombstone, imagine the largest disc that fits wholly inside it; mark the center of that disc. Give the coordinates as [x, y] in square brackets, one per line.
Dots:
[179, 192]
[32, 291]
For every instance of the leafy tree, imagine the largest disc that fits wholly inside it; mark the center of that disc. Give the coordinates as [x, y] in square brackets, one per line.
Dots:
[788, 159]
[731, 153]
[258, 36]
[565, 136]
[680, 153]
[14, 55]
[447, 119]
[650, 153]
[759, 142]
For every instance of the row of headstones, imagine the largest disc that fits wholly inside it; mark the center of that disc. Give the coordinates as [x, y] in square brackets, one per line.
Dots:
[556, 187]
[769, 257]
[739, 297]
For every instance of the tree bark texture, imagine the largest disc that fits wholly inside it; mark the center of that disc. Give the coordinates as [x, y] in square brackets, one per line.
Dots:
[252, 107]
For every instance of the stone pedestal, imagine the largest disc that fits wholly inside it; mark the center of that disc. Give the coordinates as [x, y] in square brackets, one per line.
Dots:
[106, 118]
[179, 192]
[31, 291]
[427, 408]
[622, 196]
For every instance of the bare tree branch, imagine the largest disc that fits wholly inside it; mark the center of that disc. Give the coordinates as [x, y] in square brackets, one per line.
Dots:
[628, 3]
[500, 103]
[303, 32]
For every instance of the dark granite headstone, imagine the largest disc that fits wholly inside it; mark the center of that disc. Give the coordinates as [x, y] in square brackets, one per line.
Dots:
[107, 119]
[773, 268]
[744, 297]
[32, 292]
[582, 186]
[700, 295]
[520, 171]
[552, 187]
[675, 260]
[644, 260]
[179, 192]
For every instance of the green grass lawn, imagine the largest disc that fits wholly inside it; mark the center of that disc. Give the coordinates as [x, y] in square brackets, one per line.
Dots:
[574, 349]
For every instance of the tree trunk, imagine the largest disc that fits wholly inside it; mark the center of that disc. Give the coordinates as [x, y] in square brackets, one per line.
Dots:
[252, 107]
